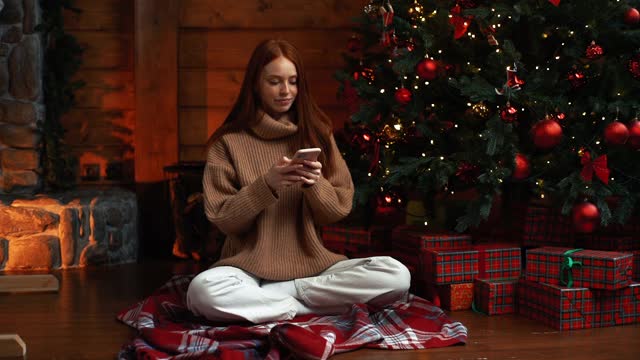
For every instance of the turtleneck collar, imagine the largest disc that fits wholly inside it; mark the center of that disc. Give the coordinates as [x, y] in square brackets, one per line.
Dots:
[269, 128]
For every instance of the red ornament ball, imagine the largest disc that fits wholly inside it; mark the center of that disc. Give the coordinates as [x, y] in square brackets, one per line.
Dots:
[586, 217]
[634, 66]
[427, 69]
[403, 96]
[616, 133]
[509, 114]
[522, 167]
[547, 133]
[594, 51]
[632, 16]
[634, 134]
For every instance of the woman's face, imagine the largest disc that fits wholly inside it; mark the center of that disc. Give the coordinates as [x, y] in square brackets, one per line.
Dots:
[278, 86]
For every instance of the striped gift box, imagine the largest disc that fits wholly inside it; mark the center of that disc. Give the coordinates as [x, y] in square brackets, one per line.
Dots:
[449, 266]
[451, 297]
[416, 238]
[354, 238]
[538, 225]
[617, 307]
[600, 269]
[559, 307]
[495, 296]
[498, 261]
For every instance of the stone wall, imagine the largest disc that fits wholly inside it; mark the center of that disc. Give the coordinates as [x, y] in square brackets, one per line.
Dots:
[21, 98]
[71, 229]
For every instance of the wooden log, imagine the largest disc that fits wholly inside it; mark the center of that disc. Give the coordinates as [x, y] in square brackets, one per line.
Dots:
[28, 283]
[220, 88]
[105, 50]
[260, 14]
[104, 15]
[156, 132]
[224, 49]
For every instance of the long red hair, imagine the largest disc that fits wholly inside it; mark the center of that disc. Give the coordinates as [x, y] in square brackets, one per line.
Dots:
[314, 126]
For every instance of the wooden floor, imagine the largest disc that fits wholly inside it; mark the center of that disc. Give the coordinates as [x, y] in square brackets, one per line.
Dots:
[79, 323]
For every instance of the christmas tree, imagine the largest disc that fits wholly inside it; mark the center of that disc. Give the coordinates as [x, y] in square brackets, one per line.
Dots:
[484, 95]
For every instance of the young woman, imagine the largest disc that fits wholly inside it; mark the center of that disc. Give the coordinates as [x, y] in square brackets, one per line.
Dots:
[273, 264]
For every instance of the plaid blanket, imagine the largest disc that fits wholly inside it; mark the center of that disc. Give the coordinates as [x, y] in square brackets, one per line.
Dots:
[168, 330]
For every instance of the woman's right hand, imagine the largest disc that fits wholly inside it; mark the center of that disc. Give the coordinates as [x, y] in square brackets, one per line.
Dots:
[283, 173]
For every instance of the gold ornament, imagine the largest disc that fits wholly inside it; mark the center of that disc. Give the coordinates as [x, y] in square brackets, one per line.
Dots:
[480, 110]
[416, 13]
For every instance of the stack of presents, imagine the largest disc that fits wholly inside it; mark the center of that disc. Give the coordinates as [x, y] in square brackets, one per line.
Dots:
[538, 268]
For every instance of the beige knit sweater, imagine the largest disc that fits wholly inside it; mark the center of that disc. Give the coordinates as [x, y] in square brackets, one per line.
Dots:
[272, 236]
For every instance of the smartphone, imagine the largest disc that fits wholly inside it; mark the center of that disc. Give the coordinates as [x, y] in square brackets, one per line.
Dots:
[310, 154]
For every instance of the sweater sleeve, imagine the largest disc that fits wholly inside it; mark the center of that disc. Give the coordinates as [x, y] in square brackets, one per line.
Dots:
[331, 199]
[231, 208]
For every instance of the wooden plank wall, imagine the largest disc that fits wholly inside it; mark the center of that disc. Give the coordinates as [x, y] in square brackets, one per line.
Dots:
[215, 41]
[100, 128]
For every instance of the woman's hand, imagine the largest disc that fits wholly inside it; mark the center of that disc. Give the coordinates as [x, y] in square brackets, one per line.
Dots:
[283, 173]
[310, 172]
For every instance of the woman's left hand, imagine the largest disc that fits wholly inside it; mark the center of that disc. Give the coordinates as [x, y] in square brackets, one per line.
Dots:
[310, 172]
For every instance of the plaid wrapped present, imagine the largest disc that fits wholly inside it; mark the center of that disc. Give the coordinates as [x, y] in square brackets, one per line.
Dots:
[498, 261]
[617, 307]
[354, 238]
[451, 297]
[559, 307]
[449, 266]
[636, 265]
[495, 296]
[607, 241]
[593, 269]
[416, 238]
[541, 225]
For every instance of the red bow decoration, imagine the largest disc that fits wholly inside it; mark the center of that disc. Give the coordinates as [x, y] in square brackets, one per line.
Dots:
[597, 166]
[460, 23]
[555, 2]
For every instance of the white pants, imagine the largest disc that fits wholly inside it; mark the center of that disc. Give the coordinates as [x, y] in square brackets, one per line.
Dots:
[227, 293]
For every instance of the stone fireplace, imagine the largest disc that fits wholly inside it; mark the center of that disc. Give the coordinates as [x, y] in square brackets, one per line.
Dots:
[47, 231]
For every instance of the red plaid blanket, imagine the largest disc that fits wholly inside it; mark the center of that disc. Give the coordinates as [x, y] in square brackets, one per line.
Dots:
[167, 330]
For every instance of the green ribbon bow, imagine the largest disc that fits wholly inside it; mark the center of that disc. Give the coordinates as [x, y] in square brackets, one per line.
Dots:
[567, 265]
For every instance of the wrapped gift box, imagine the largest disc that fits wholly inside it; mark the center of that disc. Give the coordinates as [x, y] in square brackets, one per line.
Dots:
[617, 307]
[495, 296]
[354, 238]
[600, 269]
[636, 265]
[415, 238]
[451, 297]
[540, 224]
[449, 266]
[559, 307]
[498, 261]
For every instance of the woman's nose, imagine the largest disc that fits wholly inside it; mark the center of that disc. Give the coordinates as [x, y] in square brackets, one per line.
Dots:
[284, 89]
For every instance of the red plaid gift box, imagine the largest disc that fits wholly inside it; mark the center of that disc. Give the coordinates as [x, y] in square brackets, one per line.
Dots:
[617, 307]
[607, 241]
[451, 297]
[599, 270]
[498, 261]
[495, 296]
[559, 307]
[415, 238]
[338, 237]
[449, 266]
[540, 225]
[636, 265]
